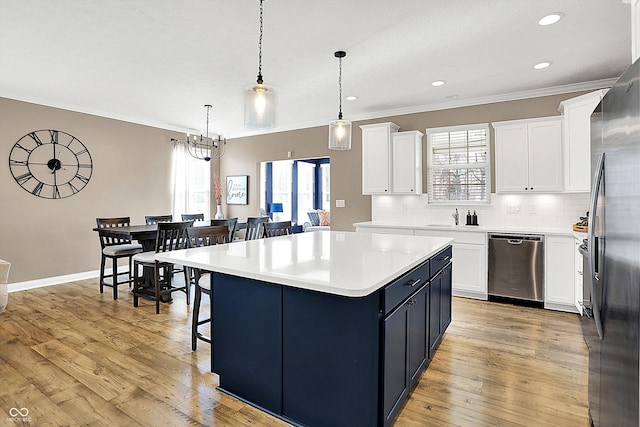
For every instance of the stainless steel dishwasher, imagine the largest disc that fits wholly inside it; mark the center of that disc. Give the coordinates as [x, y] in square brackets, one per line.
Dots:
[516, 266]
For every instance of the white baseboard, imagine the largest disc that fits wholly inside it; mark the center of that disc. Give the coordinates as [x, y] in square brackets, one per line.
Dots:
[49, 281]
[470, 294]
[569, 308]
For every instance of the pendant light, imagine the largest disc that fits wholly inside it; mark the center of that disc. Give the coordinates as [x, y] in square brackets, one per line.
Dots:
[340, 130]
[259, 99]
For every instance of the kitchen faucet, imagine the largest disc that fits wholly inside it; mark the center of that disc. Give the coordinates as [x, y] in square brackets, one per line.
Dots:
[455, 216]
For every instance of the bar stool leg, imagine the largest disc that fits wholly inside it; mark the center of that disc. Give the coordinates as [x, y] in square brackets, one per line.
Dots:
[114, 278]
[195, 317]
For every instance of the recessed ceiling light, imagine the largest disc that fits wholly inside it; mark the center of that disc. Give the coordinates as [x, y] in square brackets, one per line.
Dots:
[351, 98]
[541, 65]
[438, 83]
[551, 18]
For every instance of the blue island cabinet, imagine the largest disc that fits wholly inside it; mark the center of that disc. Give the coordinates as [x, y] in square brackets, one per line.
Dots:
[318, 359]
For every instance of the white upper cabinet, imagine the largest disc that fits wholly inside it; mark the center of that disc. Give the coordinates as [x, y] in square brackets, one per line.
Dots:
[376, 153]
[406, 162]
[391, 160]
[529, 155]
[576, 139]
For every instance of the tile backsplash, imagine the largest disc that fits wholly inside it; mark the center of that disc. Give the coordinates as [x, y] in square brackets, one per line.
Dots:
[518, 210]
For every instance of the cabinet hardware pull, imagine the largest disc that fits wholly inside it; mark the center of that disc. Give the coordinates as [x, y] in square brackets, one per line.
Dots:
[414, 282]
[446, 258]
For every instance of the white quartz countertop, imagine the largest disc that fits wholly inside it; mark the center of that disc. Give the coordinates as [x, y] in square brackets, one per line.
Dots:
[341, 263]
[469, 228]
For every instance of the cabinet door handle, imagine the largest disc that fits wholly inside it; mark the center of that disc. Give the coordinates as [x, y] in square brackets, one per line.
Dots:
[446, 258]
[413, 282]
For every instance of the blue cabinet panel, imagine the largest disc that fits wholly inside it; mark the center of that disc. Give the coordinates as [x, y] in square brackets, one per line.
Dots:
[330, 358]
[247, 335]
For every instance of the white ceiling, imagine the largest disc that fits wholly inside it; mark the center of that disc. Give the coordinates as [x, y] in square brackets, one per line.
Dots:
[157, 62]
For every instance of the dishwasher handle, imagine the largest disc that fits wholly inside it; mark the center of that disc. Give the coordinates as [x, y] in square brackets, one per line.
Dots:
[516, 239]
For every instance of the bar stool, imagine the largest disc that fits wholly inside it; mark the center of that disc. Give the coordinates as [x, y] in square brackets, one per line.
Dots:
[114, 248]
[230, 223]
[280, 228]
[171, 236]
[193, 217]
[255, 227]
[154, 219]
[203, 236]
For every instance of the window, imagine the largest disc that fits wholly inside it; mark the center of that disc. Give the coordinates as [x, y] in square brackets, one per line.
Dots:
[300, 185]
[458, 164]
[191, 183]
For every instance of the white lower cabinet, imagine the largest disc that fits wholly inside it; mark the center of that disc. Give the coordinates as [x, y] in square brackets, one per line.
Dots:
[563, 268]
[560, 273]
[469, 261]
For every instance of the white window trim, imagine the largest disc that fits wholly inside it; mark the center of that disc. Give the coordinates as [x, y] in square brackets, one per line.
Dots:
[429, 132]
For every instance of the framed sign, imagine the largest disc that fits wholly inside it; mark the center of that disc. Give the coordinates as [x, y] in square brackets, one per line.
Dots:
[237, 189]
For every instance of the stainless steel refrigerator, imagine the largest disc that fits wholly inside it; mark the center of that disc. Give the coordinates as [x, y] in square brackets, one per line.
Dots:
[614, 256]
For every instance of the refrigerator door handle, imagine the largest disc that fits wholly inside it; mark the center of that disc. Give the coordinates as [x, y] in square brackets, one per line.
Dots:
[595, 303]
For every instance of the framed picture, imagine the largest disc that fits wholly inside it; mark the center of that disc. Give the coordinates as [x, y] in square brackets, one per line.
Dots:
[237, 189]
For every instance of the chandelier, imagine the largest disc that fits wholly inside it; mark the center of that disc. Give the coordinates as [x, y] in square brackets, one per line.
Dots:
[205, 148]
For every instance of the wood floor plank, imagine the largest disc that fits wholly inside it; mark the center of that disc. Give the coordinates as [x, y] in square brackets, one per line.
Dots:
[77, 357]
[93, 374]
[38, 370]
[89, 408]
[18, 392]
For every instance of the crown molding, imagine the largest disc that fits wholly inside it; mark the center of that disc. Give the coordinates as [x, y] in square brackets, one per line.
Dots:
[534, 93]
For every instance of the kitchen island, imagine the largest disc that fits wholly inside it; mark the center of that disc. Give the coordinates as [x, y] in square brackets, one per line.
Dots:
[326, 328]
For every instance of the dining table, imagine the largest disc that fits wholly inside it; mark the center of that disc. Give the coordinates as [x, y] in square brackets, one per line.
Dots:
[145, 234]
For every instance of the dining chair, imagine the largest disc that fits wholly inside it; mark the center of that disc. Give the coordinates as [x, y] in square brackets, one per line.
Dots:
[255, 227]
[193, 217]
[230, 223]
[154, 219]
[170, 236]
[115, 248]
[203, 236]
[281, 228]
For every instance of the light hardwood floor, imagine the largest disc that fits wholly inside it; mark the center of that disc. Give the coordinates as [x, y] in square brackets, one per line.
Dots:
[74, 357]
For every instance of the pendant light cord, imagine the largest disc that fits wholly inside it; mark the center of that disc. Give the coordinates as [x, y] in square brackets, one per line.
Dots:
[208, 108]
[260, 48]
[340, 89]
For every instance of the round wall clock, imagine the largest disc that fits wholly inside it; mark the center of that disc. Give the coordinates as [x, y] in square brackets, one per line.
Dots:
[50, 164]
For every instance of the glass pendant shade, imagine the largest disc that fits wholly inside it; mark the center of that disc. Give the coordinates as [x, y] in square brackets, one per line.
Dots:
[340, 135]
[340, 129]
[259, 107]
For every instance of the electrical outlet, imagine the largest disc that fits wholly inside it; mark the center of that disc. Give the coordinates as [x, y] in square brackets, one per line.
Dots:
[513, 209]
[340, 203]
